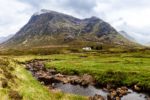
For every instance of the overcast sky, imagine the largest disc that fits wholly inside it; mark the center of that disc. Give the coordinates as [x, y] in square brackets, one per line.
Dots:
[132, 16]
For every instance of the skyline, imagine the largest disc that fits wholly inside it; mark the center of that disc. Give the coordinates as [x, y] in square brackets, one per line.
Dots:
[127, 15]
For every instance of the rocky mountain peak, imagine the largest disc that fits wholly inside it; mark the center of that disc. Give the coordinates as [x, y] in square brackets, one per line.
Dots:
[42, 11]
[49, 27]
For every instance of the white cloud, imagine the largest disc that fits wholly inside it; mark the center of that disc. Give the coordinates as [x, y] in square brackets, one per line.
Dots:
[13, 16]
[131, 16]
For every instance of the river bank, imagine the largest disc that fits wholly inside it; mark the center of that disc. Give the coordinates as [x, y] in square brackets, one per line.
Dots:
[52, 79]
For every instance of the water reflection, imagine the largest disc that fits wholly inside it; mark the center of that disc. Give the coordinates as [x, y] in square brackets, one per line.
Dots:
[91, 91]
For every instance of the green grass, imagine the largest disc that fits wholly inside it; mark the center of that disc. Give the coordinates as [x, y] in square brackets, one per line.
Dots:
[120, 69]
[117, 68]
[25, 85]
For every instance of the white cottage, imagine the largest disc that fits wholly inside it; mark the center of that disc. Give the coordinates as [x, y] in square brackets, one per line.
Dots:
[87, 48]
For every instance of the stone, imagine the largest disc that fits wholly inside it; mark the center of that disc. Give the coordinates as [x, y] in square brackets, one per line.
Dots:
[87, 78]
[75, 80]
[109, 97]
[136, 88]
[59, 75]
[122, 91]
[52, 71]
[97, 97]
[118, 98]
[113, 94]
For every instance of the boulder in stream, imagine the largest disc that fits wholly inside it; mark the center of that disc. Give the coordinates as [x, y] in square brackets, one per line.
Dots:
[97, 97]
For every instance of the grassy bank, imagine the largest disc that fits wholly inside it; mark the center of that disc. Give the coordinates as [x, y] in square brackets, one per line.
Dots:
[16, 83]
[118, 69]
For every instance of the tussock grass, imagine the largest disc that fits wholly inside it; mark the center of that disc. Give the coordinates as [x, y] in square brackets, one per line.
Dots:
[127, 68]
[118, 69]
[18, 84]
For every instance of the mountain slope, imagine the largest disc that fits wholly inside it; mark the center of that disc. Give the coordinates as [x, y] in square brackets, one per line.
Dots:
[3, 39]
[127, 36]
[147, 44]
[53, 28]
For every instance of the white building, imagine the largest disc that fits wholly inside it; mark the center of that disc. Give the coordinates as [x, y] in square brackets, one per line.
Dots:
[87, 48]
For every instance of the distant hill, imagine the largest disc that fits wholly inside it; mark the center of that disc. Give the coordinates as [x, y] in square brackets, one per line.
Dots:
[125, 34]
[3, 39]
[47, 28]
[147, 44]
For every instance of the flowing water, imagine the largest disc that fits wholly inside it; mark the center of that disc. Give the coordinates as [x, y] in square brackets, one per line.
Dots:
[91, 91]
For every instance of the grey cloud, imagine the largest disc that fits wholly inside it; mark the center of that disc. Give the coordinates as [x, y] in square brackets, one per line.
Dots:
[34, 3]
[80, 5]
[116, 12]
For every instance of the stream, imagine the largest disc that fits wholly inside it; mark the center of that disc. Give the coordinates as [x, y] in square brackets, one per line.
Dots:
[80, 85]
[91, 91]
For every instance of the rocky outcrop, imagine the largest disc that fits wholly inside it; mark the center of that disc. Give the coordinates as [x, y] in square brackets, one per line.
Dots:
[49, 76]
[97, 97]
[137, 88]
[116, 93]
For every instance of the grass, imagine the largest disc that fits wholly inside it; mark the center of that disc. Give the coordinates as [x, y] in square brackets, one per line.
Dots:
[119, 69]
[106, 68]
[25, 86]
[116, 68]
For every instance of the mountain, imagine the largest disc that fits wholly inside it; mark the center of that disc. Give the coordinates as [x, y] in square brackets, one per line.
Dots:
[3, 39]
[127, 36]
[47, 28]
[147, 44]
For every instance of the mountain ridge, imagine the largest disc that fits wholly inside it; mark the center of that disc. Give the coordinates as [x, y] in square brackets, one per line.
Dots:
[5, 38]
[54, 28]
[126, 35]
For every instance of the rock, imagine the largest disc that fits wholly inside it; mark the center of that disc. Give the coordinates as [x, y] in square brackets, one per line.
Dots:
[118, 98]
[113, 94]
[59, 75]
[54, 90]
[109, 97]
[97, 97]
[110, 90]
[84, 83]
[122, 91]
[75, 80]
[88, 79]
[110, 87]
[65, 81]
[105, 89]
[42, 83]
[124, 88]
[69, 38]
[118, 93]
[46, 80]
[52, 71]
[62, 78]
[136, 88]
